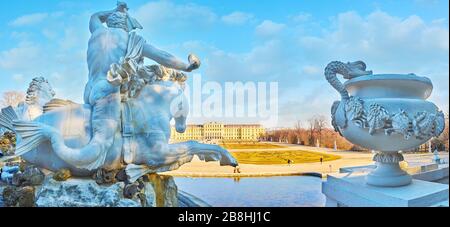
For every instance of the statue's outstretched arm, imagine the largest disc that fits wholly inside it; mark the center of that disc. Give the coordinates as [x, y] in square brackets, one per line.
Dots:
[165, 59]
[98, 19]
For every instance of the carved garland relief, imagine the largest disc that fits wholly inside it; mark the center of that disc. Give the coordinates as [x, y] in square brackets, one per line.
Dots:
[376, 118]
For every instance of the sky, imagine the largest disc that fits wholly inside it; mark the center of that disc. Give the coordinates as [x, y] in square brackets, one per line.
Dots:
[289, 42]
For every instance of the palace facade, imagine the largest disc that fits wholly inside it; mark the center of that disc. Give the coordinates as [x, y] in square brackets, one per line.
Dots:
[218, 132]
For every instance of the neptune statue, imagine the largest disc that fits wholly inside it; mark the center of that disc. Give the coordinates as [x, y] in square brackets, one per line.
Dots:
[125, 121]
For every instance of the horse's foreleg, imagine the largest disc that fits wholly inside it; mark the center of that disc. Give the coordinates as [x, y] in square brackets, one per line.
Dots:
[167, 157]
[205, 152]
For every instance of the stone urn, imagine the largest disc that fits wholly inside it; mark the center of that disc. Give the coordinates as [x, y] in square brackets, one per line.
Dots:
[386, 113]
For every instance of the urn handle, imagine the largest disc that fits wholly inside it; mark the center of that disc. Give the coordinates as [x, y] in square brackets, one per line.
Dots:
[348, 70]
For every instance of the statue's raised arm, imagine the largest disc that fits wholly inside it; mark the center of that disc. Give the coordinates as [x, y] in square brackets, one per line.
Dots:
[170, 61]
[97, 20]
[137, 46]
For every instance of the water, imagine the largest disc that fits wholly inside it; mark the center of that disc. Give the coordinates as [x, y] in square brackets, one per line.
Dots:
[291, 191]
[1, 194]
[443, 180]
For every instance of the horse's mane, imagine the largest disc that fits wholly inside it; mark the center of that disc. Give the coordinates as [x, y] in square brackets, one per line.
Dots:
[151, 74]
[33, 88]
[154, 73]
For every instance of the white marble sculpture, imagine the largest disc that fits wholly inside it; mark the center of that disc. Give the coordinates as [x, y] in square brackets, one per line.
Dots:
[125, 120]
[436, 158]
[386, 113]
[38, 94]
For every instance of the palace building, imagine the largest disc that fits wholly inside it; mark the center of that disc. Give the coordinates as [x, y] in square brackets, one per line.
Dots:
[218, 132]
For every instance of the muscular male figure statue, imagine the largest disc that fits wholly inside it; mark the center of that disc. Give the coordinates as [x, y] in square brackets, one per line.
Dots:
[108, 45]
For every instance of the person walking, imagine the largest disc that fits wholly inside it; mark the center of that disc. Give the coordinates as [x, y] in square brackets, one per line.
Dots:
[237, 169]
[321, 160]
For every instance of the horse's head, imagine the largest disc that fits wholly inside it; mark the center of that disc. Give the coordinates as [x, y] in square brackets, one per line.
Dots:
[179, 109]
[163, 101]
[165, 88]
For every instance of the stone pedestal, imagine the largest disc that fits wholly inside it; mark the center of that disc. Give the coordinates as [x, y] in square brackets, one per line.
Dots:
[388, 172]
[351, 190]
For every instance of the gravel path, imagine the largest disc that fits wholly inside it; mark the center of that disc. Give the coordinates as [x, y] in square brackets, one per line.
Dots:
[199, 168]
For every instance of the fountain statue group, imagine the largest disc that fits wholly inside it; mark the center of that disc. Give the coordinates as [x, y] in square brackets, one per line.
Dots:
[125, 120]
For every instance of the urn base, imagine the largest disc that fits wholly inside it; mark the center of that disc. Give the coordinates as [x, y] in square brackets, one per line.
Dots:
[388, 172]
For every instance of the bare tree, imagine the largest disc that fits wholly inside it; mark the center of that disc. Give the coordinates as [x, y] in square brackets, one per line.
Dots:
[12, 98]
[319, 123]
[298, 130]
[444, 137]
[298, 125]
[311, 138]
[308, 135]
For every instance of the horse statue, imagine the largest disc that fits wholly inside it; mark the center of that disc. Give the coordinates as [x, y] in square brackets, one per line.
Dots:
[38, 94]
[125, 121]
[52, 140]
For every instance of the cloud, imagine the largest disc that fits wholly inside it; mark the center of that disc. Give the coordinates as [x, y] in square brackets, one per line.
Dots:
[388, 44]
[269, 28]
[35, 18]
[311, 70]
[301, 17]
[237, 18]
[56, 50]
[30, 19]
[381, 38]
[294, 54]
[19, 78]
[265, 62]
[19, 57]
[168, 15]
[49, 34]
[20, 35]
[426, 2]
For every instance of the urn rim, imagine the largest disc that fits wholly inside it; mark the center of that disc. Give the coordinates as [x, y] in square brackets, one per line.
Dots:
[410, 84]
[409, 77]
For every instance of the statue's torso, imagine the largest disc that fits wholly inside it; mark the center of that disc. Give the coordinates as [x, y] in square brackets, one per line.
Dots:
[106, 46]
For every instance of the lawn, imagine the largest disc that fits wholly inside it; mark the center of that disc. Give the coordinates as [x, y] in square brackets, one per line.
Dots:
[281, 157]
[250, 145]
